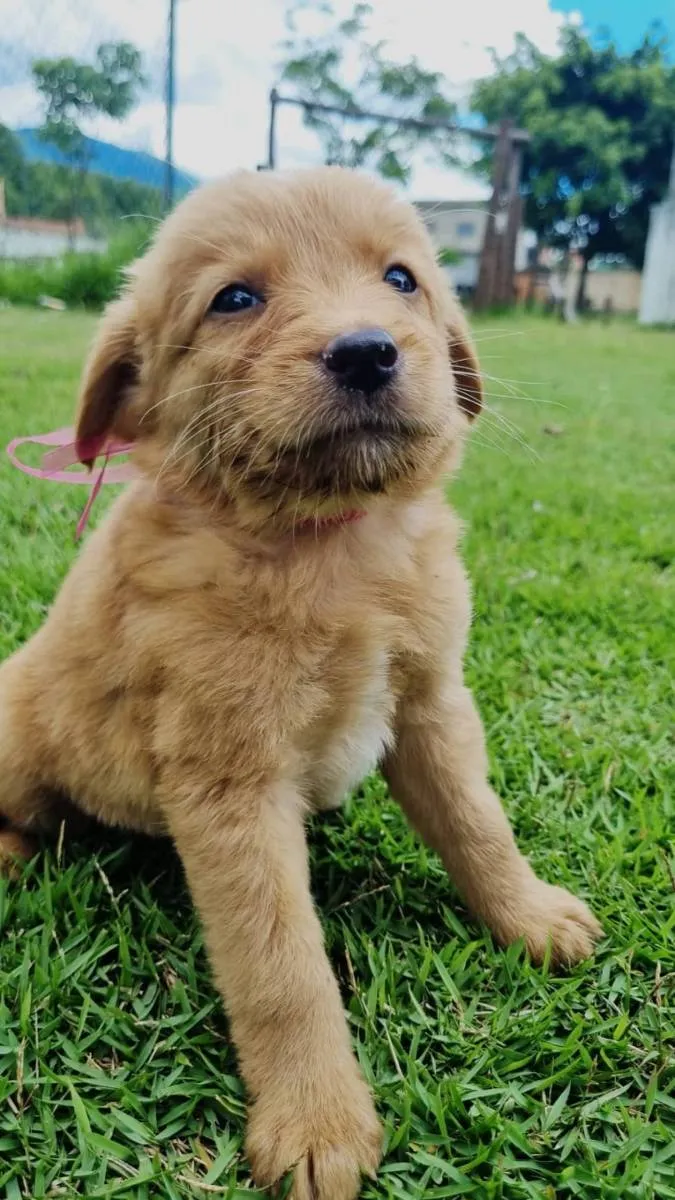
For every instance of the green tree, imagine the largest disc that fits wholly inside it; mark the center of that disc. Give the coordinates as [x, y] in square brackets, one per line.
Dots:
[74, 91]
[11, 168]
[340, 67]
[601, 125]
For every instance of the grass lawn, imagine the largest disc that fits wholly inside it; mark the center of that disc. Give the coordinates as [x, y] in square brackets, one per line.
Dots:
[494, 1079]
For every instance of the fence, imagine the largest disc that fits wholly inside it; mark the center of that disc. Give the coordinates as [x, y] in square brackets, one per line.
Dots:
[496, 284]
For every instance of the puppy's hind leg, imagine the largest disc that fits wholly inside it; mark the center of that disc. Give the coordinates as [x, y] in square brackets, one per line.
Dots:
[26, 806]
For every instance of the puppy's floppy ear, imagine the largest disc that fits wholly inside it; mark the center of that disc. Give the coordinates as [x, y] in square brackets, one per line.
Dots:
[465, 365]
[108, 383]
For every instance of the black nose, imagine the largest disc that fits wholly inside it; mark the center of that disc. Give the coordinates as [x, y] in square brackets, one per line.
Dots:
[362, 361]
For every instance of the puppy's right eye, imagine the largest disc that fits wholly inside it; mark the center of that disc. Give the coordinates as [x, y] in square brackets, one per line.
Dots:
[234, 298]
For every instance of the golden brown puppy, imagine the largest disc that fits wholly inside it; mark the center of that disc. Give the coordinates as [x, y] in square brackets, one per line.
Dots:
[276, 606]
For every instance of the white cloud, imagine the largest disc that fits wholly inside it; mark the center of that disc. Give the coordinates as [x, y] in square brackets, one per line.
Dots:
[226, 57]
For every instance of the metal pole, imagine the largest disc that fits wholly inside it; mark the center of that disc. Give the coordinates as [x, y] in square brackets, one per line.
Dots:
[489, 133]
[272, 132]
[169, 105]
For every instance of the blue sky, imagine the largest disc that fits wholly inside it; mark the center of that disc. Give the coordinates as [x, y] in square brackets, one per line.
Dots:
[627, 19]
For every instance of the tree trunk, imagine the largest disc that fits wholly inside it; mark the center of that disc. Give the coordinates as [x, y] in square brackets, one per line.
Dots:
[78, 176]
[531, 294]
[581, 290]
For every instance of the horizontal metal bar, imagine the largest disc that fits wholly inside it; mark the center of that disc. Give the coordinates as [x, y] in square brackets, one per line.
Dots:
[488, 133]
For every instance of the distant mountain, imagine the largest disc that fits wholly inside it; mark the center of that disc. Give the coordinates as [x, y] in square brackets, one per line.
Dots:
[107, 159]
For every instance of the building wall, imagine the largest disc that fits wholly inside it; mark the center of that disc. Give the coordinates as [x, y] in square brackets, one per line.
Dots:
[19, 243]
[460, 227]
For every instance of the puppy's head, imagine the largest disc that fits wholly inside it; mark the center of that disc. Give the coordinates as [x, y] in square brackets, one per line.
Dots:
[288, 346]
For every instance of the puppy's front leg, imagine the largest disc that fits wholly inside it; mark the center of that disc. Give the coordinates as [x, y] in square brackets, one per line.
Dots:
[245, 857]
[438, 773]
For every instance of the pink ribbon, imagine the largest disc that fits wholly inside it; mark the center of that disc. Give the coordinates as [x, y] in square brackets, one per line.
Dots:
[67, 454]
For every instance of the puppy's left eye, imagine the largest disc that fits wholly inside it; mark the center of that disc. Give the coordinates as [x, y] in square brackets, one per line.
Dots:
[401, 278]
[234, 299]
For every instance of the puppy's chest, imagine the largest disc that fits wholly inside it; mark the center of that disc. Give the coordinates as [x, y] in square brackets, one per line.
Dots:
[349, 739]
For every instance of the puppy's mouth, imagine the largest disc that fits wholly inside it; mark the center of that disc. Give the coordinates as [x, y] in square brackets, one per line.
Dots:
[366, 455]
[375, 429]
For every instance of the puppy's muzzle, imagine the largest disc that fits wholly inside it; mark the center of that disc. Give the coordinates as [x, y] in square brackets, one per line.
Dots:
[363, 361]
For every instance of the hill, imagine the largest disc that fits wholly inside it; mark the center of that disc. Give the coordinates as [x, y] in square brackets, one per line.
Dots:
[116, 162]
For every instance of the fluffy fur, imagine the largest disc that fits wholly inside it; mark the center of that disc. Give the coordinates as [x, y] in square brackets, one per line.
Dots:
[222, 658]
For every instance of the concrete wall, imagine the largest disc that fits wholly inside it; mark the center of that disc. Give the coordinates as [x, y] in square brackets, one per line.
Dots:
[622, 288]
[31, 243]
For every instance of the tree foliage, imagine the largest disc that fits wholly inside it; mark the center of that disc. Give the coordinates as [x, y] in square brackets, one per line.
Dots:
[340, 66]
[74, 91]
[601, 124]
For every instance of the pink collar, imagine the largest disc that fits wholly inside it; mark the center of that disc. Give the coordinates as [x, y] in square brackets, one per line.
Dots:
[318, 524]
[67, 453]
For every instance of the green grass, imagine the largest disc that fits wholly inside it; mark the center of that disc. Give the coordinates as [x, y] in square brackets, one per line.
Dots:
[80, 280]
[494, 1079]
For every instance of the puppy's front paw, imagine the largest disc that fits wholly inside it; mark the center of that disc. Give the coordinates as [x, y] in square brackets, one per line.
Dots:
[551, 914]
[329, 1136]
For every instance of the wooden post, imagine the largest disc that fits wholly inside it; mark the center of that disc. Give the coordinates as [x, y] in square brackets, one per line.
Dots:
[490, 283]
[514, 220]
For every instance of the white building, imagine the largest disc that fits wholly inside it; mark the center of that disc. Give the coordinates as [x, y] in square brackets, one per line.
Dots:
[35, 238]
[657, 301]
[459, 226]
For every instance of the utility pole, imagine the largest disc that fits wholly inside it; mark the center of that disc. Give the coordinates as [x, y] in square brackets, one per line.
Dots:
[495, 276]
[169, 105]
[272, 131]
[514, 221]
